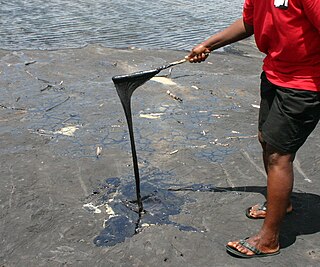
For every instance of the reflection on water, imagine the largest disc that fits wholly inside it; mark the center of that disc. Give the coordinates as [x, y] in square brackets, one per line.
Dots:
[48, 24]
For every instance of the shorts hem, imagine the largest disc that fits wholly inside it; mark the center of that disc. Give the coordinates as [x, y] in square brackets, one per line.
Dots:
[270, 141]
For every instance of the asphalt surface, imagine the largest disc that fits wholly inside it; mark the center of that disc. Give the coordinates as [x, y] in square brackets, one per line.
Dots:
[65, 161]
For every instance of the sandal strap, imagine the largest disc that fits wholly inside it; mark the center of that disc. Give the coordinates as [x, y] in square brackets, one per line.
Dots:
[263, 206]
[245, 244]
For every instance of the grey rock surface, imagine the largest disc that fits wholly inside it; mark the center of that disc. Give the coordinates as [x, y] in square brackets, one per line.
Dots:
[59, 108]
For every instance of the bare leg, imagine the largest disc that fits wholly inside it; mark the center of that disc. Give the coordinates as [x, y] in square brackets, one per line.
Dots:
[255, 212]
[280, 183]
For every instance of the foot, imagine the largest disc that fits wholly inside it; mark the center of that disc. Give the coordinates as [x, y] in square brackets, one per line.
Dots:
[259, 211]
[253, 247]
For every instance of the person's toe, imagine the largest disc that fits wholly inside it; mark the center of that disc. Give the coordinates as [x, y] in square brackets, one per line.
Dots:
[236, 245]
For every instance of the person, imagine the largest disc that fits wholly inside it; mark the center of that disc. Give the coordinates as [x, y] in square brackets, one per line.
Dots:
[288, 33]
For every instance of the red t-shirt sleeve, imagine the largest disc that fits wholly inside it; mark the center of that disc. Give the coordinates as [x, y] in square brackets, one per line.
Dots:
[312, 11]
[248, 12]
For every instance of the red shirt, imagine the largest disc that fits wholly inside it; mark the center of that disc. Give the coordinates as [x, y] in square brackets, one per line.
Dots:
[290, 38]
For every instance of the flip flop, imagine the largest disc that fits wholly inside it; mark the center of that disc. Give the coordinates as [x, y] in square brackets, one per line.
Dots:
[261, 207]
[257, 253]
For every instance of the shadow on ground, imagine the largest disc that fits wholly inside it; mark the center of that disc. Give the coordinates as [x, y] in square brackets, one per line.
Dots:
[304, 219]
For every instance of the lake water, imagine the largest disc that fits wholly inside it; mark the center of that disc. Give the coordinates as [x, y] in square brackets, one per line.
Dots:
[166, 24]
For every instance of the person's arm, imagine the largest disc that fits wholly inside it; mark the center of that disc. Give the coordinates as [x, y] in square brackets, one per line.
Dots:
[235, 32]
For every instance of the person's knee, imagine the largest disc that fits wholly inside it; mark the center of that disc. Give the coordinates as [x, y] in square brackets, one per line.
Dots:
[276, 157]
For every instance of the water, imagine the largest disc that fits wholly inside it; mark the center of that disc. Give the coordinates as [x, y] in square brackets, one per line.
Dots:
[166, 24]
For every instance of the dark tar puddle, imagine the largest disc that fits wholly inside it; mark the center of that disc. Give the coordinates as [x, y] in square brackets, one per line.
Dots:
[123, 217]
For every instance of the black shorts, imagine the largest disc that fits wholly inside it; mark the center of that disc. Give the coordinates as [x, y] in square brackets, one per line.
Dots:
[287, 116]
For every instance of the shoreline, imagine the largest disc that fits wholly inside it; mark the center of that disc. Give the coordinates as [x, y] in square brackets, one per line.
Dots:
[248, 43]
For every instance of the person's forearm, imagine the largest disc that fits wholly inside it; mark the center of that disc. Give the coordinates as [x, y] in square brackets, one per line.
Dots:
[235, 32]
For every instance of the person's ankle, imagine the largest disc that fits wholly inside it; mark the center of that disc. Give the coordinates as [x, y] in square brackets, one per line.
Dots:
[269, 237]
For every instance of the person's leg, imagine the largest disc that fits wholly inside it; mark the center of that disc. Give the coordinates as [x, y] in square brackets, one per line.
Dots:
[279, 189]
[286, 119]
[255, 211]
[280, 183]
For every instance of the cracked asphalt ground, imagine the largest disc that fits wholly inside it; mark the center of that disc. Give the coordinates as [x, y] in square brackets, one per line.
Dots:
[63, 135]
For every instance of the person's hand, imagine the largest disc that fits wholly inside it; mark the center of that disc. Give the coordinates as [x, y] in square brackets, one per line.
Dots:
[198, 54]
